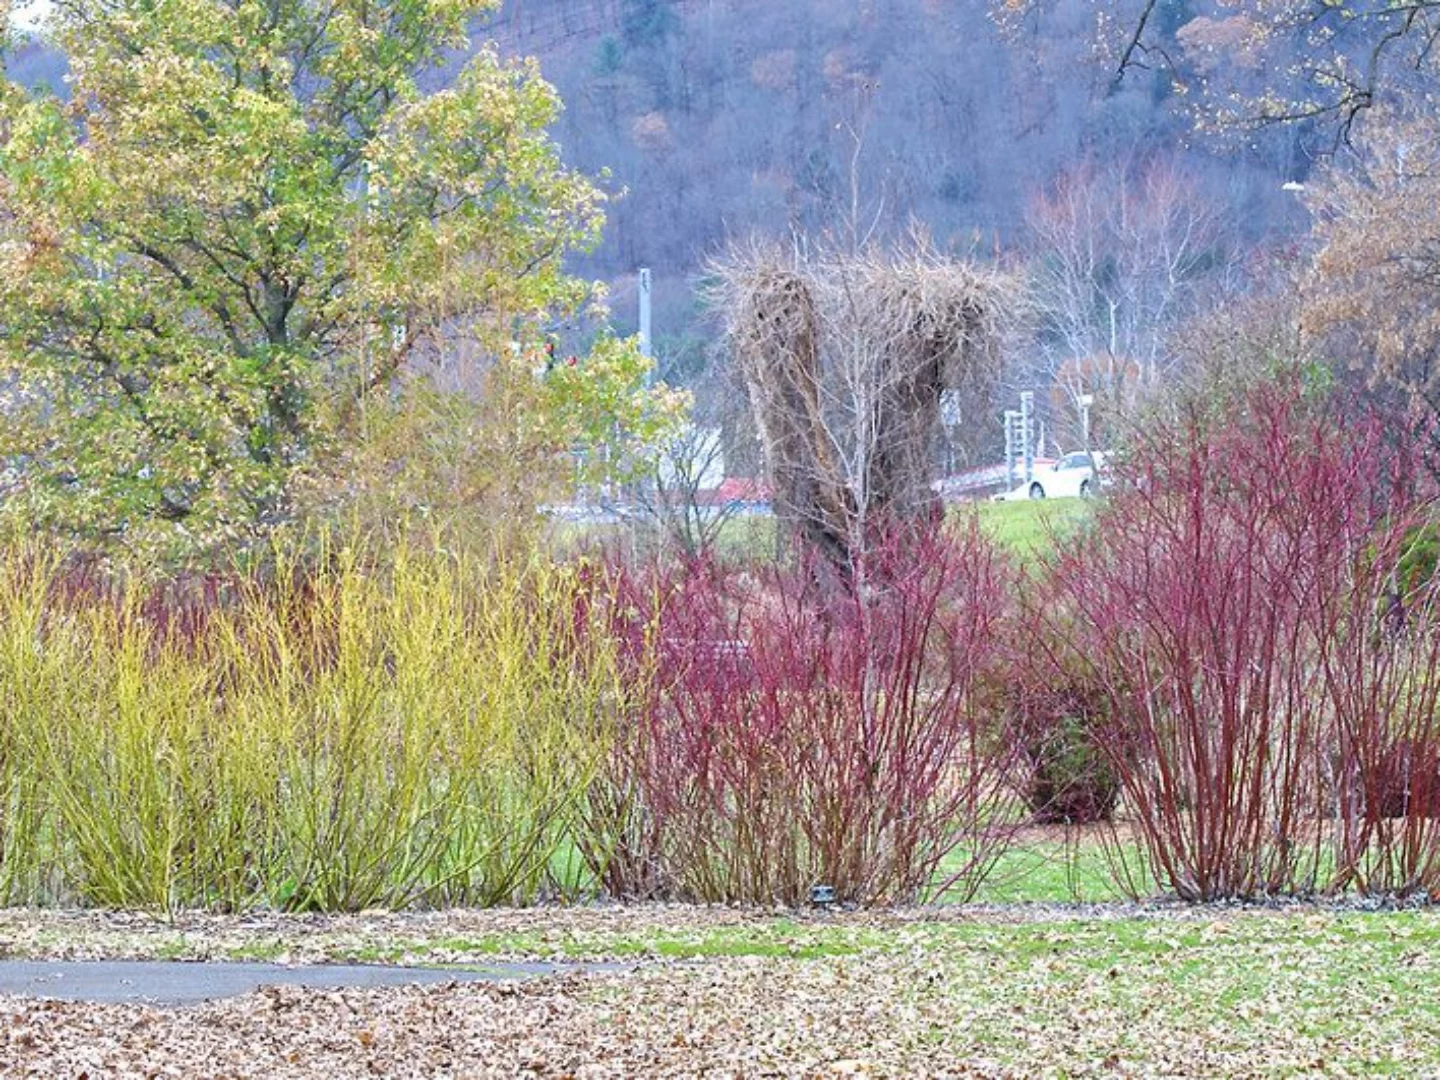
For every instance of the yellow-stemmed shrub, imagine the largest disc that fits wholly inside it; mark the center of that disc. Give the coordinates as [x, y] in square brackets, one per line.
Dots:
[345, 736]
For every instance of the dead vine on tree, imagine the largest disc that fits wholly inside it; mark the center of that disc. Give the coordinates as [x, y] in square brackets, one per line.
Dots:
[846, 359]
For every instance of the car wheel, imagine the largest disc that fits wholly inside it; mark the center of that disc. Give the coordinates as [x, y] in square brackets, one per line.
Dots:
[1036, 491]
[1085, 490]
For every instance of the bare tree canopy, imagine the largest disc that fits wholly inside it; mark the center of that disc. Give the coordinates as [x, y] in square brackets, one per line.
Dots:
[1252, 62]
[1125, 253]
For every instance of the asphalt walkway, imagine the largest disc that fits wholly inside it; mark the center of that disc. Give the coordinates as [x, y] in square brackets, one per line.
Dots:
[162, 982]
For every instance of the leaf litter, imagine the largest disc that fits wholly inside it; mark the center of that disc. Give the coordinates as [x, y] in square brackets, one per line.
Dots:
[723, 992]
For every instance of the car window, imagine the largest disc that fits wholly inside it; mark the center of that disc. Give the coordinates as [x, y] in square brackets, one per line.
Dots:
[1075, 461]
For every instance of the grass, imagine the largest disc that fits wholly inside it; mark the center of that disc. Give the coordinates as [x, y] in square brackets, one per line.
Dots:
[1259, 992]
[1187, 991]
[1049, 871]
[1309, 992]
[1183, 991]
[1025, 528]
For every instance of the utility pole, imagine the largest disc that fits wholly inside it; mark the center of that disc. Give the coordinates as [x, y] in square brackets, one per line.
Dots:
[645, 341]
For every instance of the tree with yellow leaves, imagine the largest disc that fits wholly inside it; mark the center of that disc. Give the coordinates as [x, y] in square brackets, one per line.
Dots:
[251, 217]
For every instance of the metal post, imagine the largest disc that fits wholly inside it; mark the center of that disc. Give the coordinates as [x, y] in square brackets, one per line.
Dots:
[1027, 445]
[1086, 400]
[1012, 445]
[645, 346]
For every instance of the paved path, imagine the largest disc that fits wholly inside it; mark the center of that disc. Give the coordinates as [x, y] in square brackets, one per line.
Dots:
[161, 982]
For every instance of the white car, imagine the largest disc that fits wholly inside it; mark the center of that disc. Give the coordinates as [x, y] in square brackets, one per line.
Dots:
[1078, 474]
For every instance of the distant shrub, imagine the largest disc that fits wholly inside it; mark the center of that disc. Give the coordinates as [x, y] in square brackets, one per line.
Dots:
[1069, 780]
[1051, 708]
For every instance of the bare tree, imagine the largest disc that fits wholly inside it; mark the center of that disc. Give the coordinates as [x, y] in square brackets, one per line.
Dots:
[679, 497]
[1257, 62]
[1372, 295]
[1121, 255]
[846, 357]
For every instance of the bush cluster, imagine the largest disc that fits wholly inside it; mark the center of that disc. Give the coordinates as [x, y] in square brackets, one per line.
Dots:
[1259, 650]
[339, 739]
[1232, 669]
[445, 730]
[789, 733]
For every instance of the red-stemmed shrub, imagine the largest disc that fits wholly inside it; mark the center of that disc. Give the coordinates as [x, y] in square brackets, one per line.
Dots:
[792, 733]
[1379, 669]
[176, 610]
[1227, 571]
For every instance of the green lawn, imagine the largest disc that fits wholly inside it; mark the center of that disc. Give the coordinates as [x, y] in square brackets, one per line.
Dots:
[1020, 527]
[1191, 993]
[1025, 528]
[1049, 871]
